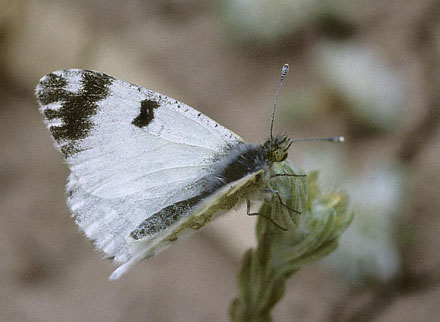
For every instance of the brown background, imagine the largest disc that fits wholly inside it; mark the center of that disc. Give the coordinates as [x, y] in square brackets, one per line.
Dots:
[190, 51]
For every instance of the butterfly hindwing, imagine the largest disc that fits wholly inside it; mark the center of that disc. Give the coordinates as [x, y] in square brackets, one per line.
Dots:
[208, 209]
[131, 151]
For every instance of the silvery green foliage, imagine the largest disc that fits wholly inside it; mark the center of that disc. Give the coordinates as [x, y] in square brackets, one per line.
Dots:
[310, 236]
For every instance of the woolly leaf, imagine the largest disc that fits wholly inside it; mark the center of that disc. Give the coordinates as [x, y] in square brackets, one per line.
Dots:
[309, 237]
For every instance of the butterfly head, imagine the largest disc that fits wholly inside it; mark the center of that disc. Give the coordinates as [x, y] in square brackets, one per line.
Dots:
[277, 148]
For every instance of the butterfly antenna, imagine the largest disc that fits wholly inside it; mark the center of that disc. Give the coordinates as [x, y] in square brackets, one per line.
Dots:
[284, 72]
[334, 139]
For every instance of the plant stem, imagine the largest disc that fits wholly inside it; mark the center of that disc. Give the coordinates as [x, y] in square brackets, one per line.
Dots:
[310, 236]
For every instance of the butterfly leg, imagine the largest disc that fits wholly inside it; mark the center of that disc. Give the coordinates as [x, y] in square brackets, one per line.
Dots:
[288, 175]
[249, 213]
[275, 192]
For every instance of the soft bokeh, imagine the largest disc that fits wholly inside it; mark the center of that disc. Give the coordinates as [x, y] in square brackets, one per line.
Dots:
[368, 70]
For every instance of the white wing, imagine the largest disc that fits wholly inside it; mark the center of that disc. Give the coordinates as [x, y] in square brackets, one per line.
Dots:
[210, 207]
[131, 151]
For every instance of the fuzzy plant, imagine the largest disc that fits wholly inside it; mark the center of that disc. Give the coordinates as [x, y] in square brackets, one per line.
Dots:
[309, 236]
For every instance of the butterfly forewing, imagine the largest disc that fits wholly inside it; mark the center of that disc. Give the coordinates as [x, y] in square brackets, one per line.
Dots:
[131, 151]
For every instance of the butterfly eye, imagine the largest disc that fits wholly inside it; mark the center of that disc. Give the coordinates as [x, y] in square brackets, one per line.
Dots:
[283, 157]
[278, 155]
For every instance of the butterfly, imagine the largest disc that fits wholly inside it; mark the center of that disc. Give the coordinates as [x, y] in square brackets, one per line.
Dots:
[148, 170]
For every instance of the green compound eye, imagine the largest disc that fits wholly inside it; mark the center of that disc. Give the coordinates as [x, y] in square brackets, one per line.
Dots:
[283, 157]
[280, 156]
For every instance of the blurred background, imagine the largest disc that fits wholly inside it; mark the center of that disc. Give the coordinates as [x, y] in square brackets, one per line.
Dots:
[368, 70]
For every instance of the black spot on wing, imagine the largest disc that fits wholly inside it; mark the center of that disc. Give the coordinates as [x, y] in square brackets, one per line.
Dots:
[76, 108]
[146, 114]
[52, 89]
[164, 218]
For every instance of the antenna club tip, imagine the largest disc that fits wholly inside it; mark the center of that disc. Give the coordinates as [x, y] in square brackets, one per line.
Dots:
[285, 67]
[339, 139]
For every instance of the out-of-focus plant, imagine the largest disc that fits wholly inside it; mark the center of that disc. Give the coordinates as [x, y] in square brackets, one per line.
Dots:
[369, 249]
[262, 21]
[309, 236]
[373, 91]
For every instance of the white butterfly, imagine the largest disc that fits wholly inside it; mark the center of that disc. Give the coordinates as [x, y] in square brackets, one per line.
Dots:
[146, 169]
